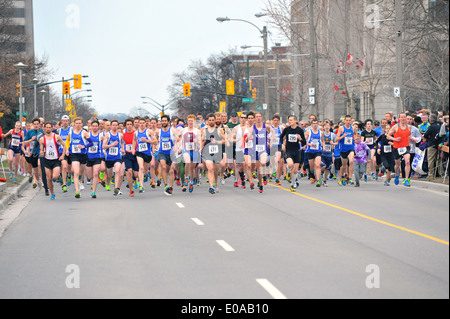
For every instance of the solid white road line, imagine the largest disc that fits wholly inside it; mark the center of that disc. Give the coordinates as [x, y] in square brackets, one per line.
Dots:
[180, 205]
[198, 221]
[225, 245]
[274, 292]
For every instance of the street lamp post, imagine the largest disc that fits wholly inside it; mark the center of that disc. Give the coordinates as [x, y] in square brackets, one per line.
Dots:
[35, 82]
[21, 67]
[266, 67]
[43, 92]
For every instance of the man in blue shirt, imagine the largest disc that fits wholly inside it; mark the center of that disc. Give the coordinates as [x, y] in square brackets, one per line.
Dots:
[32, 154]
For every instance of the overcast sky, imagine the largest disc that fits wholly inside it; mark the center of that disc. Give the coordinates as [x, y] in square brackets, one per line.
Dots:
[132, 48]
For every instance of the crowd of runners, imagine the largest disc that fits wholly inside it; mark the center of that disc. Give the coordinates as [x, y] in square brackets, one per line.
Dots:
[245, 149]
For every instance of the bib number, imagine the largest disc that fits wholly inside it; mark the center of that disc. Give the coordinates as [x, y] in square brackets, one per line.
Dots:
[249, 144]
[129, 148]
[189, 146]
[327, 148]
[15, 142]
[213, 149]
[143, 147]
[260, 148]
[75, 149]
[402, 150]
[93, 149]
[114, 151]
[348, 141]
[315, 145]
[166, 146]
[369, 141]
[387, 148]
[292, 138]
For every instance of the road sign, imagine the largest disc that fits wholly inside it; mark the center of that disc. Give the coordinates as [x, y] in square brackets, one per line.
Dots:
[396, 91]
[312, 91]
[312, 100]
[264, 106]
[248, 100]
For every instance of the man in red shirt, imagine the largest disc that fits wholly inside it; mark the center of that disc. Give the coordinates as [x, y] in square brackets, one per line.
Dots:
[131, 164]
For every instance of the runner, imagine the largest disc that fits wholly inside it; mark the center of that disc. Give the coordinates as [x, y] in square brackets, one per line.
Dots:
[112, 143]
[314, 146]
[146, 140]
[237, 135]
[167, 140]
[211, 148]
[345, 137]
[386, 154]
[129, 159]
[362, 154]
[249, 165]
[51, 156]
[369, 136]
[276, 150]
[94, 161]
[77, 143]
[14, 149]
[291, 137]
[66, 163]
[329, 139]
[32, 152]
[400, 134]
[190, 146]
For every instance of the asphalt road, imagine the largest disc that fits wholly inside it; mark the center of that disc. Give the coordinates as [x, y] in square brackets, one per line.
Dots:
[370, 242]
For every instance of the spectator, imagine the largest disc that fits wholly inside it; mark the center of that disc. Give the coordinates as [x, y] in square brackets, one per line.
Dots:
[425, 124]
[432, 137]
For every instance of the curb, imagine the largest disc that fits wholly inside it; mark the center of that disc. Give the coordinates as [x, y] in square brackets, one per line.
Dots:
[12, 193]
[430, 186]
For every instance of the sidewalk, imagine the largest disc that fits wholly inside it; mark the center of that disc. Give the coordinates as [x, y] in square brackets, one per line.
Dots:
[9, 194]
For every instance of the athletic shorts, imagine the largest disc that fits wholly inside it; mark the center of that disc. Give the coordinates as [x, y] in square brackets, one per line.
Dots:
[50, 164]
[93, 161]
[397, 152]
[33, 160]
[147, 158]
[294, 155]
[337, 164]
[81, 158]
[131, 162]
[68, 160]
[345, 155]
[110, 164]
[194, 156]
[166, 158]
[328, 162]
[388, 161]
[312, 156]
[240, 157]
[16, 150]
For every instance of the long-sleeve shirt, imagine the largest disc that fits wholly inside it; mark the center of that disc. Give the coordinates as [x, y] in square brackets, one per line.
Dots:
[362, 152]
[415, 133]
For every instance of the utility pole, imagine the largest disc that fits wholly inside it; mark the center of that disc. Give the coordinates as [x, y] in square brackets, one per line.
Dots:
[399, 52]
[266, 73]
[312, 35]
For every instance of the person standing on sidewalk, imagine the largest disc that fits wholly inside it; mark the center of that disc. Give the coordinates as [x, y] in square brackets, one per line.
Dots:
[432, 137]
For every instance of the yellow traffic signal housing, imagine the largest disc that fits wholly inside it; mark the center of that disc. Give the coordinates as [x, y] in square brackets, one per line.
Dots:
[77, 81]
[187, 89]
[66, 88]
[230, 87]
[254, 92]
[18, 89]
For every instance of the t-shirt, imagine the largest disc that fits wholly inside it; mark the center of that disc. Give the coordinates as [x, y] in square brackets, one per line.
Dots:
[292, 142]
[34, 145]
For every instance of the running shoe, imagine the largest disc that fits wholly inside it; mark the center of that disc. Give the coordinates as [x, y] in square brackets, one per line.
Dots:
[153, 185]
[30, 179]
[407, 183]
[77, 195]
[52, 197]
[261, 189]
[351, 182]
[141, 189]
[278, 182]
[212, 191]
[15, 180]
[64, 189]
[386, 183]
[236, 184]
[158, 183]
[186, 182]
[243, 185]
[365, 177]
[288, 177]
[292, 189]
[108, 188]
[34, 185]
[252, 185]
[167, 191]
[131, 193]
[191, 188]
[397, 179]
[184, 189]
[324, 184]
[312, 180]
[116, 191]
[318, 183]
[11, 175]
[265, 180]
[94, 195]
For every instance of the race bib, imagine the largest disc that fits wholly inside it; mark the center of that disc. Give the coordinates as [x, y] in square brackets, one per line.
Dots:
[51, 154]
[114, 151]
[315, 145]
[387, 148]
[348, 141]
[15, 142]
[166, 146]
[75, 149]
[260, 148]
[93, 149]
[402, 150]
[369, 141]
[213, 149]
[276, 141]
[249, 144]
[129, 148]
[189, 146]
[327, 148]
[143, 147]
[292, 138]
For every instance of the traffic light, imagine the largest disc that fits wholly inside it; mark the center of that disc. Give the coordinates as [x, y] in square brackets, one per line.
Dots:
[187, 89]
[254, 92]
[77, 81]
[66, 88]
[230, 87]
[18, 89]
